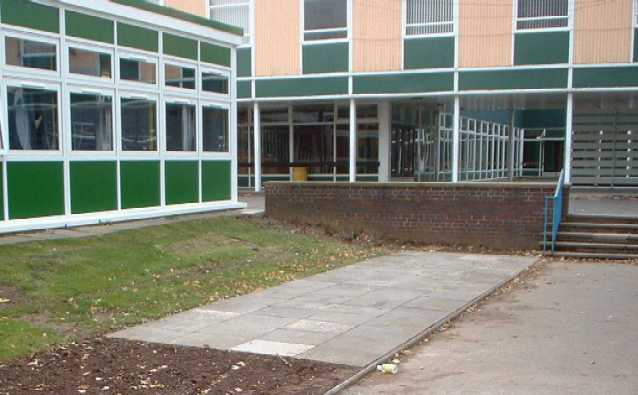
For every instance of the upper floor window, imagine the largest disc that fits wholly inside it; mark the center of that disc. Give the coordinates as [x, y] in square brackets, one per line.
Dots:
[542, 14]
[325, 19]
[232, 12]
[427, 17]
[31, 54]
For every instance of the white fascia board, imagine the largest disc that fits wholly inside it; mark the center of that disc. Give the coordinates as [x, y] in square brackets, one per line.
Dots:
[158, 21]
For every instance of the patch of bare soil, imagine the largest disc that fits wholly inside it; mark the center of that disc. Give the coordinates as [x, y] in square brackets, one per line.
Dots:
[113, 366]
[10, 296]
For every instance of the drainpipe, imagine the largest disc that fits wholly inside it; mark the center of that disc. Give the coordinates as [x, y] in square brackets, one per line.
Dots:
[353, 141]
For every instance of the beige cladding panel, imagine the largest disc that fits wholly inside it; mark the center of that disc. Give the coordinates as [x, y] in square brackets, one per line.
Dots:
[485, 33]
[603, 31]
[277, 38]
[377, 38]
[197, 7]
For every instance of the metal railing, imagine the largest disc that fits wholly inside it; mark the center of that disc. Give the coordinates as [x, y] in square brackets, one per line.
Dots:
[556, 202]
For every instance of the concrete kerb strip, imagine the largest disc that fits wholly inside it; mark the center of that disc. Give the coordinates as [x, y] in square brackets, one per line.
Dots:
[427, 332]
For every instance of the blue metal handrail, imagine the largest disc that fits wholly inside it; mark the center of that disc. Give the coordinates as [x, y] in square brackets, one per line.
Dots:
[557, 214]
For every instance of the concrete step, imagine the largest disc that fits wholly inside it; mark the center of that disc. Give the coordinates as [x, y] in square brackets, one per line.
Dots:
[609, 219]
[607, 248]
[594, 255]
[596, 227]
[622, 238]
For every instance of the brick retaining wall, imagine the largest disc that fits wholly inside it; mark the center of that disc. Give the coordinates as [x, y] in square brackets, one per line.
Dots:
[494, 215]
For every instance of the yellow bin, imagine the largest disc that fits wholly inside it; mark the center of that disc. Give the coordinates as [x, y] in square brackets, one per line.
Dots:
[300, 174]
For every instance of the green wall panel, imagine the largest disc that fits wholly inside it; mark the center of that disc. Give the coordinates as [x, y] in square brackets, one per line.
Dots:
[36, 189]
[541, 48]
[605, 77]
[179, 46]
[137, 37]
[244, 62]
[244, 89]
[325, 58]
[215, 54]
[30, 15]
[89, 27]
[425, 53]
[215, 181]
[513, 79]
[93, 186]
[182, 182]
[301, 87]
[404, 83]
[140, 183]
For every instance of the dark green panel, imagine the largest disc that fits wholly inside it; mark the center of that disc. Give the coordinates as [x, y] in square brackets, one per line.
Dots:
[325, 58]
[605, 77]
[540, 119]
[215, 180]
[140, 183]
[215, 54]
[244, 89]
[36, 189]
[30, 15]
[137, 37]
[244, 62]
[635, 46]
[93, 187]
[302, 87]
[182, 182]
[428, 53]
[185, 16]
[179, 46]
[404, 83]
[513, 79]
[89, 27]
[541, 48]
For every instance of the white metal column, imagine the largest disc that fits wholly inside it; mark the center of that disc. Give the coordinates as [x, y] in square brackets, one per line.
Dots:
[512, 144]
[568, 138]
[257, 146]
[385, 131]
[353, 141]
[456, 134]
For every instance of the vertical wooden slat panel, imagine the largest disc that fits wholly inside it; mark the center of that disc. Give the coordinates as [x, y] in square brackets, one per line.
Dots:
[197, 7]
[603, 31]
[277, 40]
[485, 33]
[377, 38]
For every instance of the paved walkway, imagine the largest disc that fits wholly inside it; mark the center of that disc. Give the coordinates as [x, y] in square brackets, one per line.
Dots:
[573, 330]
[353, 315]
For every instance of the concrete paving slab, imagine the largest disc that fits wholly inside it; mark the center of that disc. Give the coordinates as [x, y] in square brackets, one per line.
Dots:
[353, 315]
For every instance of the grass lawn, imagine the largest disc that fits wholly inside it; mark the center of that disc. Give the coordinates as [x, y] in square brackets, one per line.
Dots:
[57, 291]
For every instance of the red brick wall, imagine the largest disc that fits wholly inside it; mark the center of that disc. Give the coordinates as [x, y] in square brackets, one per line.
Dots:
[494, 215]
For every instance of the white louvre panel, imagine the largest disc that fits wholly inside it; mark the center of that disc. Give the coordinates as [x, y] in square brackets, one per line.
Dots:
[232, 12]
[542, 14]
[427, 17]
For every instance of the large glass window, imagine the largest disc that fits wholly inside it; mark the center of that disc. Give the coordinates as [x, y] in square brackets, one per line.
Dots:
[32, 54]
[425, 17]
[91, 63]
[33, 119]
[91, 122]
[325, 19]
[215, 129]
[137, 70]
[542, 14]
[181, 127]
[232, 12]
[215, 83]
[139, 124]
[179, 77]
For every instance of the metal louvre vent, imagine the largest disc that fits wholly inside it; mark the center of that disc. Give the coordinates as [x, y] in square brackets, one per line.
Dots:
[428, 17]
[542, 14]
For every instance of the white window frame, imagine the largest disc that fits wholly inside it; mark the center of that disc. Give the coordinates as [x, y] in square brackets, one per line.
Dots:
[33, 72]
[82, 154]
[246, 3]
[542, 29]
[210, 154]
[92, 48]
[347, 28]
[213, 95]
[133, 94]
[452, 23]
[139, 56]
[49, 86]
[191, 101]
[184, 64]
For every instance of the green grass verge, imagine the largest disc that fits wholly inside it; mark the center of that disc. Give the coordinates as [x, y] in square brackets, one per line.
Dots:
[64, 289]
